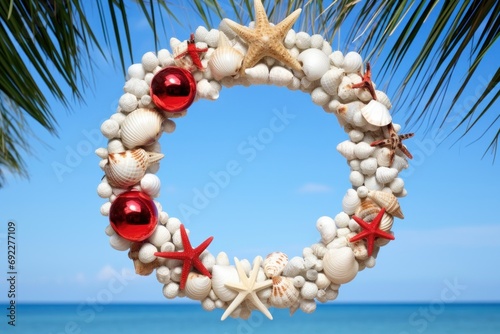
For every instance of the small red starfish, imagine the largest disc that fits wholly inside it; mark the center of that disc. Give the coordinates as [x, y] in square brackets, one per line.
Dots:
[366, 82]
[394, 141]
[371, 231]
[190, 256]
[193, 52]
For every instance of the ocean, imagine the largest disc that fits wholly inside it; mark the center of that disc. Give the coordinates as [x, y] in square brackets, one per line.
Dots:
[191, 318]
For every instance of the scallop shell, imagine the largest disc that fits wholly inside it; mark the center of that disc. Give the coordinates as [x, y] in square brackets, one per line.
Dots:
[197, 286]
[350, 202]
[284, 293]
[280, 76]
[141, 127]
[314, 63]
[327, 228]
[331, 80]
[220, 276]
[376, 113]
[127, 168]
[387, 201]
[274, 264]
[385, 175]
[226, 60]
[340, 265]
[352, 62]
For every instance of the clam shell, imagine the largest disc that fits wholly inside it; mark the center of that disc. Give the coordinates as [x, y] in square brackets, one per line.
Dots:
[127, 168]
[350, 202]
[226, 60]
[331, 80]
[376, 113]
[340, 265]
[387, 201]
[352, 62]
[284, 293]
[274, 264]
[197, 286]
[141, 127]
[280, 76]
[327, 228]
[314, 63]
[385, 175]
[220, 276]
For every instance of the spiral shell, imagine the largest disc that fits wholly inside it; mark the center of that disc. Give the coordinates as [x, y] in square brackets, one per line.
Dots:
[220, 275]
[386, 175]
[259, 74]
[274, 264]
[127, 168]
[327, 228]
[387, 201]
[346, 148]
[376, 113]
[350, 202]
[226, 60]
[197, 286]
[340, 265]
[280, 76]
[141, 127]
[284, 293]
[331, 80]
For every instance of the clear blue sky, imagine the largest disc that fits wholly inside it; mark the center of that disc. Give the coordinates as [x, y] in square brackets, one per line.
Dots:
[449, 235]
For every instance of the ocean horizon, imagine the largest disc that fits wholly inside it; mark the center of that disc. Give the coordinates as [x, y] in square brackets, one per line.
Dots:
[352, 318]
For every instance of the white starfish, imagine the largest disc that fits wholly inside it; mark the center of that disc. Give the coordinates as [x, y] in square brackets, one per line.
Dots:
[247, 288]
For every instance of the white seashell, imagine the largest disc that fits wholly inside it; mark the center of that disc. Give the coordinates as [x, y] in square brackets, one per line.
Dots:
[352, 62]
[347, 111]
[337, 58]
[336, 243]
[314, 63]
[326, 48]
[383, 98]
[331, 80]
[165, 58]
[197, 286]
[332, 106]
[171, 290]
[372, 183]
[128, 102]
[350, 202]
[102, 152]
[147, 253]
[174, 43]
[220, 276]
[376, 113]
[342, 220]
[141, 127]
[104, 190]
[163, 217]
[136, 71]
[294, 267]
[359, 250]
[160, 236]
[284, 293]
[307, 306]
[259, 74]
[346, 148]
[226, 60]
[206, 91]
[367, 211]
[109, 231]
[340, 265]
[363, 150]
[200, 34]
[316, 41]
[146, 102]
[118, 117]
[386, 222]
[280, 76]
[208, 260]
[356, 178]
[399, 163]
[290, 38]
[294, 84]
[327, 228]
[345, 92]
[319, 96]
[386, 175]
[150, 184]
[387, 201]
[299, 281]
[383, 156]
[362, 192]
[208, 304]
[397, 185]
[319, 250]
[322, 282]
[274, 264]
[163, 275]
[110, 128]
[136, 87]
[302, 40]
[306, 85]
[149, 61]
[368, 166]
[212, 38]
[119, 243]
[309, 290]
[126, 169]
[222, 259]
[169, 126]
[173, 224]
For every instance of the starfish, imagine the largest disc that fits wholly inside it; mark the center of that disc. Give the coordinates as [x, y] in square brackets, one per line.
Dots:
[266, 40]
[371, 231]
[394, 141]
[247, 289]
[190, 256]
[366, 82]
[193, 52]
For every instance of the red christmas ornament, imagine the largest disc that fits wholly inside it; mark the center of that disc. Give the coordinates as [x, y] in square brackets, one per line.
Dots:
[173, 89]
[133, 215]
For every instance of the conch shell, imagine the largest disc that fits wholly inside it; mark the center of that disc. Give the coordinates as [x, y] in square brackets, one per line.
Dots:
[274, 264]
[387, 201]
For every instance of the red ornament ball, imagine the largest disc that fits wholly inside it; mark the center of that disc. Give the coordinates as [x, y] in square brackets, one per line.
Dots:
[173, 89]
[133, 215]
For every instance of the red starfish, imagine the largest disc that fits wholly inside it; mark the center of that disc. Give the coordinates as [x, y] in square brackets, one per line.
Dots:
[366, 82]
[193, 52]
[371, 231]
[394, 141]
[190, 256]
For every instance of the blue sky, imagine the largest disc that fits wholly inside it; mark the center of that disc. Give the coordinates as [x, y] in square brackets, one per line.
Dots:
[284, 183]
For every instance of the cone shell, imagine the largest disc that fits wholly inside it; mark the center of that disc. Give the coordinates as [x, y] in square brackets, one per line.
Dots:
[226, 60]
[376, 113]
[350, 202]
[387, 201]
[340, 265]
[127, 168]
[141, 127]
[274, 264]
[197, 286]
[220, 275]
[284, 293]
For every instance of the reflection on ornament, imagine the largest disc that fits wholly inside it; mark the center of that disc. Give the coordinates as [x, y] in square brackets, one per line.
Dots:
[173, 89]
[133, 215]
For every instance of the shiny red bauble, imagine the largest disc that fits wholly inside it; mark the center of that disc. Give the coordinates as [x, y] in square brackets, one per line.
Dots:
[133, 215]
[173, 89]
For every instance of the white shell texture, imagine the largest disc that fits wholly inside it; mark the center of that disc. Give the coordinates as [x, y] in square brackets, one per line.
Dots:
[220, 275]
[346, 148]
[383, 98]
[136, 71]
[385, 175]
[356, 178]
[397, 185]
[150, 184]
[363, 150]
[128, 168]
[274, 264]
[160, 236]
[149, 61]
[284, 293]
[331, 80]
[327, 228]
[141, 127]
[368, 166]
[280, 76]
[352, 62]
[350, 202]
[314, 63]
[225, 61]
[294, 267]
[376, 113]
[136, 87]
[259, 74]
[319, 96]
[128, 102]
[337, 58]
[387, 201]
[197, 286]
[340, 265]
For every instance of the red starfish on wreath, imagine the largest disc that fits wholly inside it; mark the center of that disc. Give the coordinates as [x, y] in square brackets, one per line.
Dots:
[394, 141]
[366, 82]
[193, 52]
[190, 256]
[371, 231]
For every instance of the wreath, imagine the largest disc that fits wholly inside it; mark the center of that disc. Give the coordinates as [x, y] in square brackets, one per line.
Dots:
[165, 84]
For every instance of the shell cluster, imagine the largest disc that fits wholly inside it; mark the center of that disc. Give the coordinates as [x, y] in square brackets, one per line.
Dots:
[131, 160]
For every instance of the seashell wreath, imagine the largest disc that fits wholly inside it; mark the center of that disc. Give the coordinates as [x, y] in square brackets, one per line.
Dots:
[349, 242]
